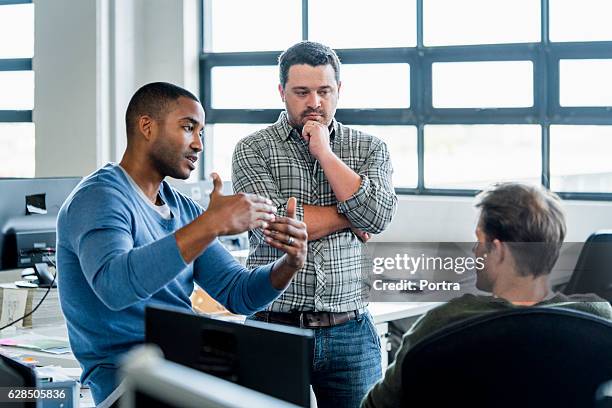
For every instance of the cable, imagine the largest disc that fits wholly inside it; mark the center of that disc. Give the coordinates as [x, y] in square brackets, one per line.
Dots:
[46, 253]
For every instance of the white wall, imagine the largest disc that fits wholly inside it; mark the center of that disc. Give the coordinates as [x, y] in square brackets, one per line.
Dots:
[90, 57]
[67, 100]
[453, 219]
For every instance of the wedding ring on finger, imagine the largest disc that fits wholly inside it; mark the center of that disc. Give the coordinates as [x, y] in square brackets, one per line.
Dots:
[290, 241]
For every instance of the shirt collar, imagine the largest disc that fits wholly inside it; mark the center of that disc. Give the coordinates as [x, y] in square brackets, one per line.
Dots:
[285, 129]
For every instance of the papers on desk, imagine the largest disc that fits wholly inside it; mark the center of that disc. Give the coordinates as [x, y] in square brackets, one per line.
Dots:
[33, 341]
[13, 303]
[49, 311]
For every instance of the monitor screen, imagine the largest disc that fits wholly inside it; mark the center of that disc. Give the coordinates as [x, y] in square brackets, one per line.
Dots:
[28, 213]
[150, 381]
[268, 358]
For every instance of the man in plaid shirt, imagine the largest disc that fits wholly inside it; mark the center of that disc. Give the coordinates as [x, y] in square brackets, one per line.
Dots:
[342, 181]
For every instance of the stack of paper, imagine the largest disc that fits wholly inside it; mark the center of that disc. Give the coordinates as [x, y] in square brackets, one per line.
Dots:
[15, 302]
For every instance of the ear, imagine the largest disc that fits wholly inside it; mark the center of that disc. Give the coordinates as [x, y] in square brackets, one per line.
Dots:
[499, 249]
[339, 86]
[145, 126]
[281, 91]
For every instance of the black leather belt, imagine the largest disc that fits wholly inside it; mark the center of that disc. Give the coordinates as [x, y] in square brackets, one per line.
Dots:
[307, 319]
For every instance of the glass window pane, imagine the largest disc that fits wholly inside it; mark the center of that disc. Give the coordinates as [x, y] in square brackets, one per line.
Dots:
[219, 143]
[580, 158]
[487, 84]
[476, 156]
[375, 86]
[585, 82]
[402, 145]
[362, 23]
[584, 20]
[17, 24]
[254, 87]
[16, 90]
[452, 22]
[17, 150]
[247, 25]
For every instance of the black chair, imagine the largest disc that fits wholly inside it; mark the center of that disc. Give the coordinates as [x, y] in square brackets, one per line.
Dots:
[530, 357]
[593, 271]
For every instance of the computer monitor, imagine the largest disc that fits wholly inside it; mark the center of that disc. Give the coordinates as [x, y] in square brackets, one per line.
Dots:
[268, 358]
[149, 381]
[14, 374]
[28, 215]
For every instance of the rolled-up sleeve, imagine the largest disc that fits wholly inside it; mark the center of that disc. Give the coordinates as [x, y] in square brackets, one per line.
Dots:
[372, 207]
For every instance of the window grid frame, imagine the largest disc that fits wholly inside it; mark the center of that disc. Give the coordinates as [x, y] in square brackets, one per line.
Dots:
[545, 111]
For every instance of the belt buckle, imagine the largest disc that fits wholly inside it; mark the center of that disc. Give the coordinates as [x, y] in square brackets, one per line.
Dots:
[302, 320]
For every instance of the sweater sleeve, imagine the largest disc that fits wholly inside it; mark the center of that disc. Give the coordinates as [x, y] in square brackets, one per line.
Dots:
[99, 229]
[240, 290]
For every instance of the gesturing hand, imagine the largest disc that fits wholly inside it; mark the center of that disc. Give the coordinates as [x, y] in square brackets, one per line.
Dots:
[237, 213]
[289, 235]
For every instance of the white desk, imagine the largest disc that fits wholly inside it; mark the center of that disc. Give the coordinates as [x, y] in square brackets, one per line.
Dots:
[46, 359]
[384, 312]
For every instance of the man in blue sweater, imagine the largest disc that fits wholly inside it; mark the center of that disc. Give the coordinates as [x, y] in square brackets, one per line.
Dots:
[127, 240]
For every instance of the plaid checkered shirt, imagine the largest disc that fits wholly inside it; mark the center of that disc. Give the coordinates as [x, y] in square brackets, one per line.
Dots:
[275, 163]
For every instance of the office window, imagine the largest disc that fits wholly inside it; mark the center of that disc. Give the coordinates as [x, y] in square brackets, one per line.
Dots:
[580, 158]
[16, 150]
[362, 23]
[476, 156]
[401, 142]
[465, 93]
[245, 88]
[247, 25]
[584, 20]
[16, 89]
[219, 143]
[490, 84]
[17, 24]
[465, 22]
[585, 82]
[367, 86]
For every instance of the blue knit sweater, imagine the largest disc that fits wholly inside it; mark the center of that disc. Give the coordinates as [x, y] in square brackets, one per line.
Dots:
[116, 255]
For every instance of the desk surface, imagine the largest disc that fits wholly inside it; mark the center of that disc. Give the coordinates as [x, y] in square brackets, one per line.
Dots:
[46, 359]
[383, 312]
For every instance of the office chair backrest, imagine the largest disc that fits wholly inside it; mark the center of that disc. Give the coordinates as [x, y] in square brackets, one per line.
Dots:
[593, 271]
[531, 357]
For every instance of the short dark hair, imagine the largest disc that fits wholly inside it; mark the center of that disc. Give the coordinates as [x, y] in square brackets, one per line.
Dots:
[310, 53]
[153, 99]
[527, 218]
